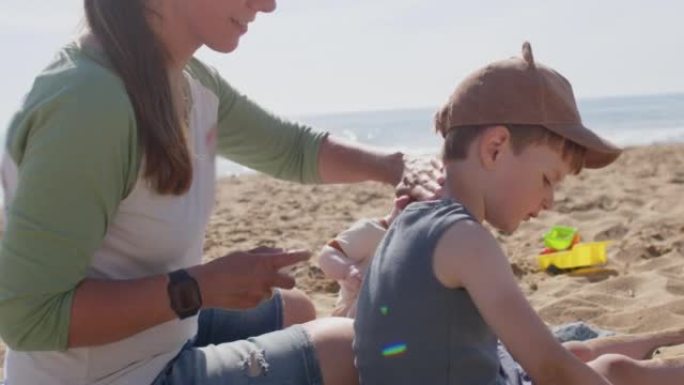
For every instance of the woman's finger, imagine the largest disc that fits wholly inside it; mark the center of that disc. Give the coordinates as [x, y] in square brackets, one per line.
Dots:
[283, 281]
[266, 250]
[283, 259]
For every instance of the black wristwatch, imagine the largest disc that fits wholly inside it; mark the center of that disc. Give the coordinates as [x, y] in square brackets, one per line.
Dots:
[184, 294]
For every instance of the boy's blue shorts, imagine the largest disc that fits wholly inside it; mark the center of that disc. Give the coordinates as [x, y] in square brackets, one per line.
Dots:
[245, 347]
[511, 372]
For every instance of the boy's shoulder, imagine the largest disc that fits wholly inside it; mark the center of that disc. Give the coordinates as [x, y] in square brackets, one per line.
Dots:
[444, 209]
[468, 235]
[465, 246]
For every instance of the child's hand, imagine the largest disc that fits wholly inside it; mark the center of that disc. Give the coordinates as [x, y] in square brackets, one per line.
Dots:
[354, 278]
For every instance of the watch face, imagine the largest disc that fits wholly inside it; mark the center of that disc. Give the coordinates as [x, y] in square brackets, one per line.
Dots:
[185, 296]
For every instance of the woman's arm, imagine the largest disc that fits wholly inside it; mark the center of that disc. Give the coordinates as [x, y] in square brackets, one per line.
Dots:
[72, 157]
[341, 161]
[254, 137]
[105, 311]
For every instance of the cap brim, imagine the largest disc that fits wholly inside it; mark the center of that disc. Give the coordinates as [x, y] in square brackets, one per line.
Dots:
[600, 152]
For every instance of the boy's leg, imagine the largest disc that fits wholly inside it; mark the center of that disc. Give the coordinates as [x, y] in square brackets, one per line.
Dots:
[638, 346]
[623, 370]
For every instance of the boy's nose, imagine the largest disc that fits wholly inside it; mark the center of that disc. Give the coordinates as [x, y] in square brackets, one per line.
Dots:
[266, 6]
[547, 202]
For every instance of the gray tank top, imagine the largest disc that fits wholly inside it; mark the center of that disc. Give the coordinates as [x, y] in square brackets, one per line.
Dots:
[410, 329]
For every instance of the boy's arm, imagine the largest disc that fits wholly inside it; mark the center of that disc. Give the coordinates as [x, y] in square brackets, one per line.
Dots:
[483, 270]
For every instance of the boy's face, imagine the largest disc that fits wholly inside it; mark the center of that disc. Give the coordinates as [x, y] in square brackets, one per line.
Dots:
[523, 184]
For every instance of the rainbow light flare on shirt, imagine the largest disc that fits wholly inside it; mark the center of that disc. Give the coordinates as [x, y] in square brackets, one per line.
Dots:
[394, 349]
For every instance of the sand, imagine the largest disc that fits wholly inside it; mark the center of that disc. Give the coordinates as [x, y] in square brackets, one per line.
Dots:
[636, 203]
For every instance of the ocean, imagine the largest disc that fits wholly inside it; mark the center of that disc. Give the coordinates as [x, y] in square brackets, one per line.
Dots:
[625, 120]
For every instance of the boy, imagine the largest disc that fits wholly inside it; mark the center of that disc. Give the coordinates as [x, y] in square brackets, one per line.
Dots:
[440, 293]
[346, 257]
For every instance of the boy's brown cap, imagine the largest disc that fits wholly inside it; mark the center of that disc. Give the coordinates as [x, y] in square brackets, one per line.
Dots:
[520, 91]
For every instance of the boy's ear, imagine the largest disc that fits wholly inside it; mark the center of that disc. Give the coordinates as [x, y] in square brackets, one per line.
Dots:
[493, 142]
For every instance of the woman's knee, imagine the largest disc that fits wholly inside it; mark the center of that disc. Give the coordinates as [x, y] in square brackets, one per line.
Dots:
[332, 338]
[617, 368]
[297, 307]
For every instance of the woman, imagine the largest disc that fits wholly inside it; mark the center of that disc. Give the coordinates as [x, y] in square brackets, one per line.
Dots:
[109, 180]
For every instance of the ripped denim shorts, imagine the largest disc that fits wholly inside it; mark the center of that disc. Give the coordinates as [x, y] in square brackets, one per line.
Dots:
[245, 347]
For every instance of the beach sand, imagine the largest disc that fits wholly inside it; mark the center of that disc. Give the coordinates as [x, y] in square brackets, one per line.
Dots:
[636, 203]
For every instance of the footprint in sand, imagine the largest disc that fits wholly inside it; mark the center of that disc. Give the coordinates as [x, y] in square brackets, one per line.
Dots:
[656, 250]
[612, 233]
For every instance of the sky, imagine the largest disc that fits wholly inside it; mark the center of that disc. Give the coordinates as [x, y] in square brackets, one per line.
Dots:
[321, 56]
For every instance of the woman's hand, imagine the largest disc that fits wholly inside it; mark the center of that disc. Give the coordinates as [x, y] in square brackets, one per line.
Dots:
[422, 179]
[343, 161]
[241, 280]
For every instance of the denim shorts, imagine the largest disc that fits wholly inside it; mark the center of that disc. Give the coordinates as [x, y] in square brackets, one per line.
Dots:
[245, 347]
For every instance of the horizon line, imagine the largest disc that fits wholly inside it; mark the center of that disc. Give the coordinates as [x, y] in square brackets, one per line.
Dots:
[380, 109]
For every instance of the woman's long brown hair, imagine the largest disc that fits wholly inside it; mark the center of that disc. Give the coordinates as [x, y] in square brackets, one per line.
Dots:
[139, 58]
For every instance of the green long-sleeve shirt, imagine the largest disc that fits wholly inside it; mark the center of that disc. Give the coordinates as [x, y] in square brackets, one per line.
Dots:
[72, 156]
